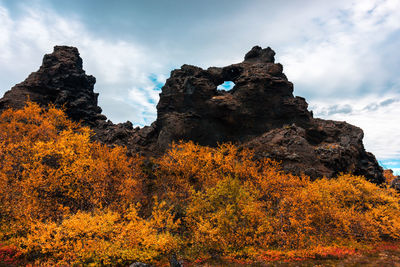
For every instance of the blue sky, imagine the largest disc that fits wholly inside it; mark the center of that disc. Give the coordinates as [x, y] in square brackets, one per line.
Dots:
[342, 56]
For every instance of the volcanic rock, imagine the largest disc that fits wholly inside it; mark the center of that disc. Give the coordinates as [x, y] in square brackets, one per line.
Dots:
[327, 148]
[259, 112]
[61, 81]
[192, 108]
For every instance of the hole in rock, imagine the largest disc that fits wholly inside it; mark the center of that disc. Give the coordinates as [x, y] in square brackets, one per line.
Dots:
[227, 85]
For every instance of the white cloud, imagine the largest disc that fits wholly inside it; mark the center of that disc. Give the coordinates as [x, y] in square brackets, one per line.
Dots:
[118, 65]
[380, 123]
[341, 55]
[344, 52]
[346, 66]
[5, 23]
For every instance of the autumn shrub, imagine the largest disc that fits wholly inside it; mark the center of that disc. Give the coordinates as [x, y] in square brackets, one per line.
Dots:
[232, 204]
[67, 200]
[103, 238]
[49, 168]
[389, 176]
[226, 219]
[345, 209]
[84, 237]
[188, 167]
[153, 239]
[9, 256]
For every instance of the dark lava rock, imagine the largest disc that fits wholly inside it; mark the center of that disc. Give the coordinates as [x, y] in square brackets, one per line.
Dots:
[192, 108]
[396, 183]
[328, 148]
[62, 81]
[259, 112]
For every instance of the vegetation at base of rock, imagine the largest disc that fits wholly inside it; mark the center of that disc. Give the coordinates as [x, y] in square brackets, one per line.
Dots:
[260, 112]
[68, 200]
[50, 169]
[389, 176]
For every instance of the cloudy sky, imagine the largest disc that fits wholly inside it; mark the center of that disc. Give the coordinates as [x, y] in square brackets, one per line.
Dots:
[343, 56]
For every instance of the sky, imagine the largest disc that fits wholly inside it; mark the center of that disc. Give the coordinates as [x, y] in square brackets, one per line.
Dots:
[343, 56]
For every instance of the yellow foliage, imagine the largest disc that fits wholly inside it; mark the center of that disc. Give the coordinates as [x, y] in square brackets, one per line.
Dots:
[66, 200]
[49, 168]
[83, 238]
[235, 205]
[152, 239]
[226, 219]
[186, 167]
[104, 238]
[345, 209]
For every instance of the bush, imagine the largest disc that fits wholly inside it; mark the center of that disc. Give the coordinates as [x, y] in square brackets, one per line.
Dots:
[103, 238]
[186, 168]
[9, 256]
[226, 219]
[345, 209]
[66, 200]
[234, 205]
[49, 169]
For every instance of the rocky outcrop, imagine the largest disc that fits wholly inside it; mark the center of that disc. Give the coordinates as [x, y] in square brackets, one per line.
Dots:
[327, 148]
[192, 108]
[259, 112]
[62, 81]
[395, 183]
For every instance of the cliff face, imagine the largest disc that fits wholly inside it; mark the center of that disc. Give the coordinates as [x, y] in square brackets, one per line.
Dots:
[259, 112]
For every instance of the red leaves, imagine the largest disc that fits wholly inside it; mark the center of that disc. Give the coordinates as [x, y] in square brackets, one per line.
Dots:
[9, 255]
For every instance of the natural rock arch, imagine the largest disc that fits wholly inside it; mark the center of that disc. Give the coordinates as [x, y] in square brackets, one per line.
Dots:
[260, 113]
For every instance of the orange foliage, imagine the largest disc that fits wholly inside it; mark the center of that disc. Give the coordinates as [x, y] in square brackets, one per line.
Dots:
[342, 210]
[104, 238]
[49, 168]
[66, 200]
[187, 167]
[234, 205]
[389, 176]
[226, 219]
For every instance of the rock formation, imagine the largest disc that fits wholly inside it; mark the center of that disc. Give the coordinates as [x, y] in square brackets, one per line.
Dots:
[259, 112]
[62, 81]
[191, 107]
